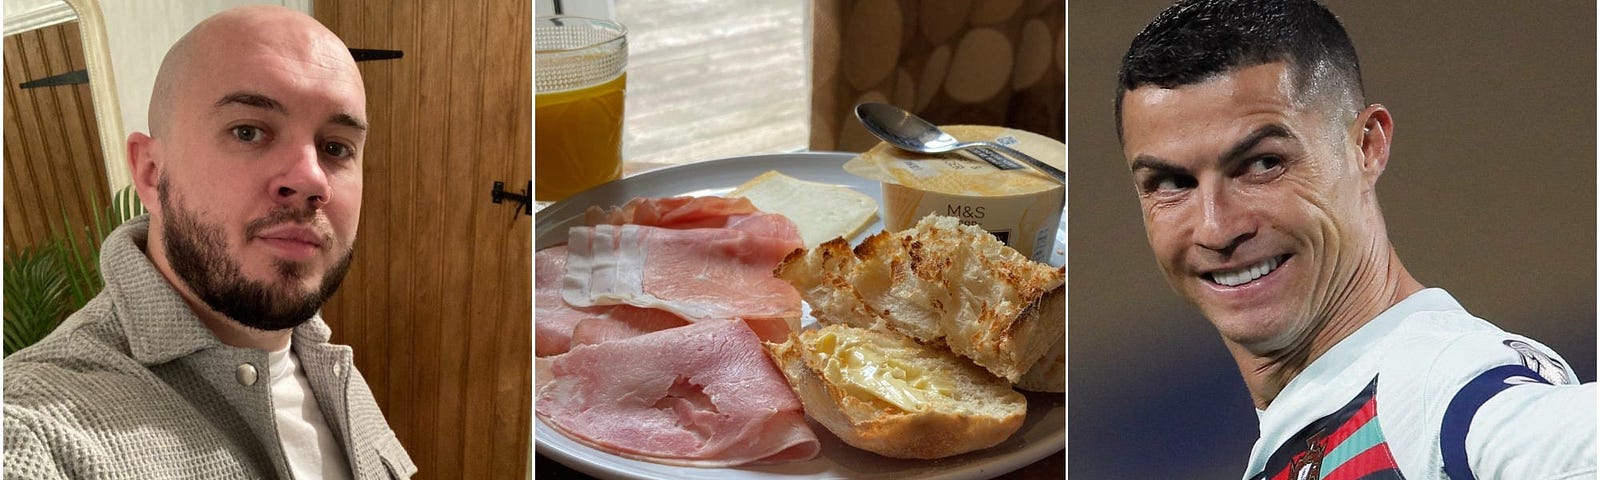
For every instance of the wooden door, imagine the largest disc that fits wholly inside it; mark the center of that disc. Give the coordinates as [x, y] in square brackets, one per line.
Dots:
[438, 302]
[52, 143]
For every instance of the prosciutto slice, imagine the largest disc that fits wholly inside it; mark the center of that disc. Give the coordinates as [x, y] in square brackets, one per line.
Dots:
[683, 213]
[673, 212]
[561, 325]
[777, 228]
[628, 311]
[698, 274]
[702, 395]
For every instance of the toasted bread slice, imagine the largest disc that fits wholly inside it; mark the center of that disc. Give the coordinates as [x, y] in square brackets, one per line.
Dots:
[886, 393]
[942, 283]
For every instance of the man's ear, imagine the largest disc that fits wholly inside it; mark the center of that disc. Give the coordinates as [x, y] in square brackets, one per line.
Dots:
[1372, 140]
[144, 163]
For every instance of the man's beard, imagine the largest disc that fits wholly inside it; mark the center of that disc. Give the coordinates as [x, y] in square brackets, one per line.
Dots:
[198, 255]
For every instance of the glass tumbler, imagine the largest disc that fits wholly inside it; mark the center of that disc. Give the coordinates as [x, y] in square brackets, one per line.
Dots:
[580, 74]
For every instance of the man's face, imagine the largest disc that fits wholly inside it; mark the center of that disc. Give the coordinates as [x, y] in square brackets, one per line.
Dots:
[1256, 207]
[260, 190]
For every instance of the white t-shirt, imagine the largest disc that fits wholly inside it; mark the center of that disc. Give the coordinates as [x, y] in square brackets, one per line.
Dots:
[308, 443]
[1428, 391]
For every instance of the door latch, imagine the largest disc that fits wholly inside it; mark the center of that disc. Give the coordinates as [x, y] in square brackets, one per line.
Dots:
[525, 198]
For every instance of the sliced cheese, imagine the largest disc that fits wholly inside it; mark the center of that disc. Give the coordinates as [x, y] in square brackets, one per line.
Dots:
[821, 211]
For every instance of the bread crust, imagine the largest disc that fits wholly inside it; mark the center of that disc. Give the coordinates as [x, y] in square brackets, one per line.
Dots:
[1049, 373]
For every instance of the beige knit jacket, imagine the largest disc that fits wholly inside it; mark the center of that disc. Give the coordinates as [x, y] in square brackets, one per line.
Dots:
[134, 387]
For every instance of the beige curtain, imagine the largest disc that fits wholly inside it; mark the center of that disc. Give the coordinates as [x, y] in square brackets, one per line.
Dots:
[999, 62]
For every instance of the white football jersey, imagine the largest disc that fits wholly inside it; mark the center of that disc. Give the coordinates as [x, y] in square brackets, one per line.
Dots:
[1425, 391]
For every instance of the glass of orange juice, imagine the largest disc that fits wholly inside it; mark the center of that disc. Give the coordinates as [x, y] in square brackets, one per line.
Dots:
[580, 71]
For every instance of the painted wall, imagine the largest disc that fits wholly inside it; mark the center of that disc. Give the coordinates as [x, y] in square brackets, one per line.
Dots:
[22, 15]
[139, 33]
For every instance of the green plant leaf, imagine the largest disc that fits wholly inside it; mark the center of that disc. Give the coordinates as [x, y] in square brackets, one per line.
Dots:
[46, 282]
[35, 295]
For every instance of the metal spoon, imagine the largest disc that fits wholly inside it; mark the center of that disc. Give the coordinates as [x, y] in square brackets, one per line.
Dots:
[910, 132]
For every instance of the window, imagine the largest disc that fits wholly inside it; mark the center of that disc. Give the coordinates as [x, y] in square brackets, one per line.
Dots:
[710, 79]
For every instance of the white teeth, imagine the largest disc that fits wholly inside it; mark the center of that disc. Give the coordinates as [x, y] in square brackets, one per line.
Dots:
[1245, 275]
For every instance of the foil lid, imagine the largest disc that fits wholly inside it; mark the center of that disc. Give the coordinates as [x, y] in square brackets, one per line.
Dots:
[978, 172]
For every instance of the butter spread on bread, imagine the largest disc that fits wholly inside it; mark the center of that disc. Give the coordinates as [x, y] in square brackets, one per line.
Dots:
[884, 392]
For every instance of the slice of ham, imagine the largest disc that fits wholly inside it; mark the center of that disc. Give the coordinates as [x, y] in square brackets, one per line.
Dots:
[673, 212]
[769, 225]
[561, 325]
[698, 274]
[703, 395]
[683, 213]
[623, 321]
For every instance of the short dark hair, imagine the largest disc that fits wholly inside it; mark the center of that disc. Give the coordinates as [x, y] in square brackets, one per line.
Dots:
[1194, 40]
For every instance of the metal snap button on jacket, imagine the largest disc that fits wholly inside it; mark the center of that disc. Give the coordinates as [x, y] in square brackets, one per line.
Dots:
[246, 374]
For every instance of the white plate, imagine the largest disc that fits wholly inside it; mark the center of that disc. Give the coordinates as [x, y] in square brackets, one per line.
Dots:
[1043, 432]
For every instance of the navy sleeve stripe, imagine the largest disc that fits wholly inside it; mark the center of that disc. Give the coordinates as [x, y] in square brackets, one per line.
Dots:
[1458, 415]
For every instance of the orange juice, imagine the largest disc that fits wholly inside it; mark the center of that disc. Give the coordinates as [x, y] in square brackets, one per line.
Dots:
[577, 138]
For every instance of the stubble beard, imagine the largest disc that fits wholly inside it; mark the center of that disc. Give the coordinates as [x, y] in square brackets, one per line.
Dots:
[198, 255]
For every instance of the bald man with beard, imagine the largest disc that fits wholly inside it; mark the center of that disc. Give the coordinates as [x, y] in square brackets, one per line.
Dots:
[204, 356]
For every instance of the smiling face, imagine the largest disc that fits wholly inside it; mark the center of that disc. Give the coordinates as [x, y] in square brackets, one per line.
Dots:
[255, 163]
[1256, 203]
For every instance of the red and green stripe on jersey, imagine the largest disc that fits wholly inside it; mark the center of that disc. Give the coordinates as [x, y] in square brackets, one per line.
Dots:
[1345, 445]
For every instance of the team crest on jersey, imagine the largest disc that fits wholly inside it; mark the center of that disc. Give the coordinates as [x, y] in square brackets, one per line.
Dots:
[1548, 368]
[1307, 465]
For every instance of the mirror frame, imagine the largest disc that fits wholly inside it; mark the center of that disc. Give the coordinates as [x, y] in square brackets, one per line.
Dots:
[102, 80]
[103, 89]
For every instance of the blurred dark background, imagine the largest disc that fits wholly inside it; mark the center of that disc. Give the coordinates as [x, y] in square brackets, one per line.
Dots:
[1489, 193]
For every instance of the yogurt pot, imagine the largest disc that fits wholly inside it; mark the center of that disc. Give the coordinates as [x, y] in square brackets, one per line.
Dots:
[981, 187]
